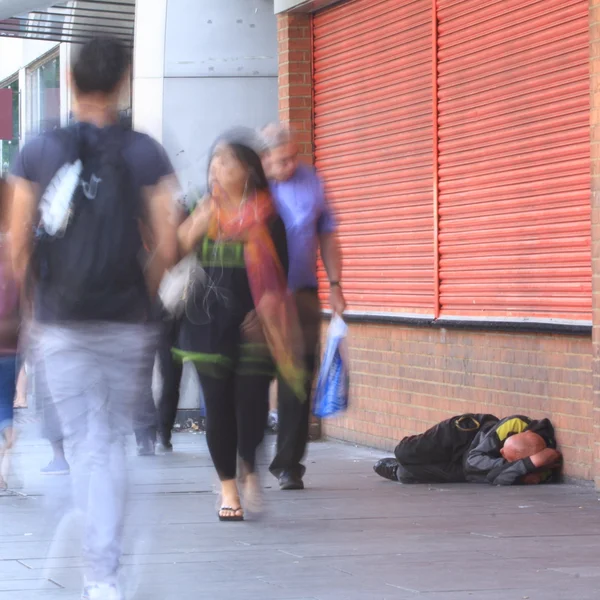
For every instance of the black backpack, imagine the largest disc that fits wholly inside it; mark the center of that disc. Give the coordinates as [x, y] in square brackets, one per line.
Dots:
[92, 269]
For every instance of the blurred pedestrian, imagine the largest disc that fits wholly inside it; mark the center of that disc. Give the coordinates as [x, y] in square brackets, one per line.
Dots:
[239, 323]
[95, 189]
[154, 421]
[50, 427]
[9, 336]
[300, 199]
[171, 372]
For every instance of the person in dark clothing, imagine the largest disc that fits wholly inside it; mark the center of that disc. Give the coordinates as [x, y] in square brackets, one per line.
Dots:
[300, 197]
[155, 422]
[479, 449]
[85, 200]
[171, 372]
[515, 450]
[238, 324]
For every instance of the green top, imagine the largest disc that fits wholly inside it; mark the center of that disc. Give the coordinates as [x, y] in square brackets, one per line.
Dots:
[221, 254]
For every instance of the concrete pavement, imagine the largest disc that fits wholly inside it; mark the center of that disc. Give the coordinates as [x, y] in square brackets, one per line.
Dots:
[349, 536]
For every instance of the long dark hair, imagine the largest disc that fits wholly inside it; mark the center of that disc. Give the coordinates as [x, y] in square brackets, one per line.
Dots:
[242, 140]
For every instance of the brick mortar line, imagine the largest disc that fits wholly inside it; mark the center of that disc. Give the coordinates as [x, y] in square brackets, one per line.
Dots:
[518, 394]
[478, 374]
[475, 361]
[425, 395]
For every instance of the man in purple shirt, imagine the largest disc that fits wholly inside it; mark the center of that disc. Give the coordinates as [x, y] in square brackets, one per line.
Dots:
[300, 199]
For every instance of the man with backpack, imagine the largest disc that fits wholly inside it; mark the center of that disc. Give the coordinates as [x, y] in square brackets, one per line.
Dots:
[87, 199]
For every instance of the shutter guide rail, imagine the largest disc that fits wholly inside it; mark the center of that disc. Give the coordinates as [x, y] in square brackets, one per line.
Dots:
[436, 204]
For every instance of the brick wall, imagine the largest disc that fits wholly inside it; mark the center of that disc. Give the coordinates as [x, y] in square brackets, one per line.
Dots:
[295, 78]
[406, 379]
[595, 199]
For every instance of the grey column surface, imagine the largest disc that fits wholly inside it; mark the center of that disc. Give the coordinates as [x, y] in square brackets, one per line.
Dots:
[220, 71]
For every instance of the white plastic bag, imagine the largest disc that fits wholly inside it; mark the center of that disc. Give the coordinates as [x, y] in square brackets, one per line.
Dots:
[333, 385]
[55, 204]
[178, 283]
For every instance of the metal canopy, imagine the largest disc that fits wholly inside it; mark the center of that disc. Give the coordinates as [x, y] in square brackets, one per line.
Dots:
[76, 21]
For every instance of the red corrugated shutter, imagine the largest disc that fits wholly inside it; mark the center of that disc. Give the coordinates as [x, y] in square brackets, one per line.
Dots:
[514, 174]
[373, 143]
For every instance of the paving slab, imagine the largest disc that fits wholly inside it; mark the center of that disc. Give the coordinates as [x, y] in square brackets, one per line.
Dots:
[349, 536]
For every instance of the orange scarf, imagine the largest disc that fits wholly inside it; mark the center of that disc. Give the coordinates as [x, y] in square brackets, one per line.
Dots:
[275, 306]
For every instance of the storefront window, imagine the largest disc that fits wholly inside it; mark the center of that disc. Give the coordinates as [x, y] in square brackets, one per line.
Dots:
[10, 148]
[44, 97]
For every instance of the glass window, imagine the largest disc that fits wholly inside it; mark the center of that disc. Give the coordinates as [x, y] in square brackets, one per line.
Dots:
[10, 148]
[44, 97]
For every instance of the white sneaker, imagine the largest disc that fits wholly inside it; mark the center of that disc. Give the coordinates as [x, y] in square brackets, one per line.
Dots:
[101, 591]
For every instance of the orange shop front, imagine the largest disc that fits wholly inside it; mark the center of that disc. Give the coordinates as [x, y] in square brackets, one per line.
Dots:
[454, 139]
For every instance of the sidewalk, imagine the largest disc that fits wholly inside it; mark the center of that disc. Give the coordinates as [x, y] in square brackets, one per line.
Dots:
[349, 536]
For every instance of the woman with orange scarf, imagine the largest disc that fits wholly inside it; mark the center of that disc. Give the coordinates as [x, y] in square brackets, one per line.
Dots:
[240, 325]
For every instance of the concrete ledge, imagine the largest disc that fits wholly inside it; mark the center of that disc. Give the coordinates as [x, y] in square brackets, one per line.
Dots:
[283, 6]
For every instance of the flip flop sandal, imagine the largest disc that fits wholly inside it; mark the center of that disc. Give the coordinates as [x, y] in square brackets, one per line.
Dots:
[234, 517]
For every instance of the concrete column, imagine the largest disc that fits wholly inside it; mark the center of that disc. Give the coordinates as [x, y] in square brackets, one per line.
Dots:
[23, 107]
[65, 83]
[149, 66]
[595, 200]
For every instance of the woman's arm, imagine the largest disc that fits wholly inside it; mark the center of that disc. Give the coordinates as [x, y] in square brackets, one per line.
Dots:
[194, 228]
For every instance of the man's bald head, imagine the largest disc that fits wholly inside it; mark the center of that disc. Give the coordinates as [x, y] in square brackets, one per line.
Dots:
[522, 445]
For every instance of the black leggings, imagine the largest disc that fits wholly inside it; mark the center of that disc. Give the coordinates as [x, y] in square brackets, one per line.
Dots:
[237, 407]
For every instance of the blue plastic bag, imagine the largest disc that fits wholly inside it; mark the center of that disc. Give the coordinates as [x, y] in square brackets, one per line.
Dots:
[333, 385]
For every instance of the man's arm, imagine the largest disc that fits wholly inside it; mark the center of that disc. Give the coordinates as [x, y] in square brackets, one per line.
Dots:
[23, 208]
[331, 252]
[163, 218]
[332, 259]
[511, 473]
[484, 462]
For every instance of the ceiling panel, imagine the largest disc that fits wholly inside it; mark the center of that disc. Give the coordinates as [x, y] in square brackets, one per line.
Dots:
[76, 21]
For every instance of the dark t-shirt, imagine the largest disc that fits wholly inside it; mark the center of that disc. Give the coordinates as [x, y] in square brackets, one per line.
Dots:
[43, 156]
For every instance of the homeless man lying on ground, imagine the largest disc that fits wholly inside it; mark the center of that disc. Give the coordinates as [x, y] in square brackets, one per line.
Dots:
[477, 449]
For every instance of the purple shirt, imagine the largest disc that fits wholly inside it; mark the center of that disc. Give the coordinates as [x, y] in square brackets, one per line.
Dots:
[302, 205]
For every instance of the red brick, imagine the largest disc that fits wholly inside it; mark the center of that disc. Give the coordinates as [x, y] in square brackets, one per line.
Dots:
[296, 56]
[295, 85]
[292, 20]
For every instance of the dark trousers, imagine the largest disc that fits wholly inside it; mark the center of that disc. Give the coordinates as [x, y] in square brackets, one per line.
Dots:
[150, 418]
[171, 372]
[436, 456]
[294, 415]
[236, 414]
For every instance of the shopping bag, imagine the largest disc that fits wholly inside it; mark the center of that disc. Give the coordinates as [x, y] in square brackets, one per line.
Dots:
[178, 283]
[333, 384]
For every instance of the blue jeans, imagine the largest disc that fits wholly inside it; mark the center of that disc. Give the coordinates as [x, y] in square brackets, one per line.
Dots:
[8, 386]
